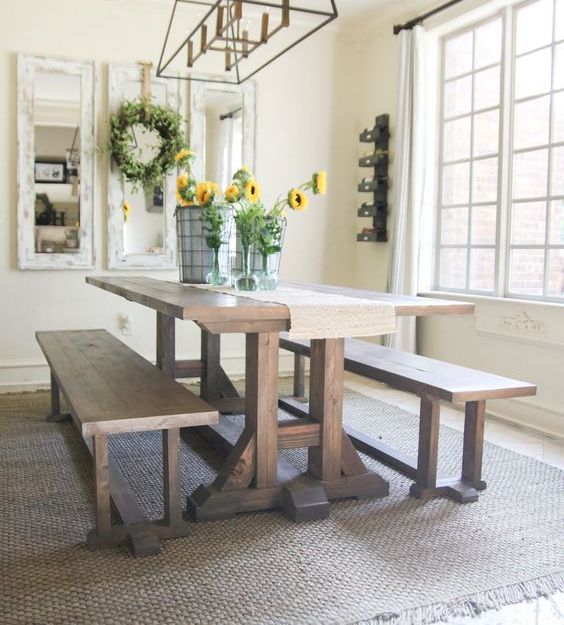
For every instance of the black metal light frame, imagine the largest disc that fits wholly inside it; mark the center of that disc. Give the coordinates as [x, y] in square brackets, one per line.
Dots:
[213, 5]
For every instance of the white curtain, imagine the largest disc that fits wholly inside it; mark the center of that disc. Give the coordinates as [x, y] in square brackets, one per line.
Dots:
[409, 180]
[224, 168]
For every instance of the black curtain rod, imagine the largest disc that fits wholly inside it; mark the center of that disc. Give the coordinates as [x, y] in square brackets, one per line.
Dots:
[417, 20]
[231, 113]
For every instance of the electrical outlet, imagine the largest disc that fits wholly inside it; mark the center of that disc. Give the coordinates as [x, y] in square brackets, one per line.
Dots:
[125, 324]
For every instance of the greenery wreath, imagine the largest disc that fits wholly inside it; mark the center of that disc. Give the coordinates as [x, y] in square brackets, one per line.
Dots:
[163, 120]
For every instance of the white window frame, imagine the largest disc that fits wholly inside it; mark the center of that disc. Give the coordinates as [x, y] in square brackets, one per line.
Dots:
[503, 246]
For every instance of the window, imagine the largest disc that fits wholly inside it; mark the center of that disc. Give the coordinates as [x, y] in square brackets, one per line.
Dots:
[501, 179]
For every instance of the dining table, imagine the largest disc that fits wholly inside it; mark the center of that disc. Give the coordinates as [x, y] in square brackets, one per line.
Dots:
[254, 475]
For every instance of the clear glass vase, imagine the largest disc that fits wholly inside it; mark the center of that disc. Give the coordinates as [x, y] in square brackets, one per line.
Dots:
[268, 275]
[246, 280]
[217, 276]
[270, 260]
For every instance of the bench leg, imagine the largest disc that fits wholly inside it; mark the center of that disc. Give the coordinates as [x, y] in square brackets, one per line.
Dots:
[426, 480]
[56, 416]
[102, 477]
[299, 376]
[473, 444]
[171, 474]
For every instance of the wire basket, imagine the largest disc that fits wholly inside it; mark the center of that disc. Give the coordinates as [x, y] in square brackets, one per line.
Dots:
[195, 258]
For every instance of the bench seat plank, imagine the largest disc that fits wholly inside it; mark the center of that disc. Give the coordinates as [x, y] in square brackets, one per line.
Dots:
[112, 389]
[419, 374]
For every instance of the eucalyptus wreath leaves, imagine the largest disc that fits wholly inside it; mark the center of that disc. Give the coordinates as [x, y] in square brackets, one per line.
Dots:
[165, 122]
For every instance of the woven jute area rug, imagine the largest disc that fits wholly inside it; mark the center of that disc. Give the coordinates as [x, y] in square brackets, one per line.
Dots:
[393, 561]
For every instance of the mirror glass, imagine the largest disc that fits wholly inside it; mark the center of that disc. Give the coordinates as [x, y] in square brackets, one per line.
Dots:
[144, 226]
[57, 155]
[223, 150]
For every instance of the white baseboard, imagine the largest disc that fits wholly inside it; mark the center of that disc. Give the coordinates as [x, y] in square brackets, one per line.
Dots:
[22, 375]
[534, 416]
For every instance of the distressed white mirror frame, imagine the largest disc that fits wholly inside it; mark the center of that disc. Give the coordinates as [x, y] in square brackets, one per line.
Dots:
[117, 257]
[198, 91]
[28, 258]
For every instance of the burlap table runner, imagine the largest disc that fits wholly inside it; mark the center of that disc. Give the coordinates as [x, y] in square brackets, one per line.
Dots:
[315, 315]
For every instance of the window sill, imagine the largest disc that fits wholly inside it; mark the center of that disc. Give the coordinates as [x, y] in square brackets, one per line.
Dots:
[472, 297]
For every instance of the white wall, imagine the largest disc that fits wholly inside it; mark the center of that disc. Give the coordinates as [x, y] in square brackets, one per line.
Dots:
[304, 123]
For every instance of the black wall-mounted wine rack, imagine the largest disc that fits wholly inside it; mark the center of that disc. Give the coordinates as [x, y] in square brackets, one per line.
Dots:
[377, 210]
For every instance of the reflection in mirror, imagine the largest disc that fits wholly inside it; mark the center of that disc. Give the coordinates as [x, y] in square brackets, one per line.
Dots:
[55, 163]
[143, 235]
[56, 123]
[222, 129]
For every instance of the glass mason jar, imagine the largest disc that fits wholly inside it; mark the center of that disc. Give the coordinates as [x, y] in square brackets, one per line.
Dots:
[269, 247]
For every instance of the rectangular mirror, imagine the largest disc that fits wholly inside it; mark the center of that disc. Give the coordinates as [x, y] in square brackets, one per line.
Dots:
[145, 236]
[222, 129]
[55, 163]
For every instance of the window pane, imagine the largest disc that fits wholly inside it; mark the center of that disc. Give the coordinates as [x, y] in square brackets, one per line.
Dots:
[534, 26]
[556, 234]
[559, 30]
[530, 171]
[482, 269]
[558, 116]
[458, 55]
[557, 166]
[457, 139]
[526, 272]
[484, 219]
[487, 43]
[532, 74]
[484, 180]
[453, 268]
[486, 133]
[486, 88]
[454, 226]
[556, 273]
[456, 184]
[559, 66]
[458, 97]
[531, 122]
[528, 223]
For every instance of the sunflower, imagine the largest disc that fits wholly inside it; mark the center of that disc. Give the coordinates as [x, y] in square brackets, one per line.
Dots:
[181, 182]
[252, 190]
[183, 155]
[204, 193]
[297, 200]
[182, 201]
[319, 185]
[126, 210]
[232, 193]
[214, 187]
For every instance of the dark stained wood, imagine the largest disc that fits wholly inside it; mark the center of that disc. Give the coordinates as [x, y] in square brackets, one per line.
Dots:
[226, 387]
[228, 405]
[427, 458]
[299, 375]
[187, 302]
[261, 410]
[171, 477]
[102, 481]
[189, 369]
[305, 499]
[298, 433]
[166, 344]
[245, 327]
[473, 443]
[56, 416]
[326, 406]
[210, 351]
[239, 469]
[113, 389]
[418, 374]
[351, 463]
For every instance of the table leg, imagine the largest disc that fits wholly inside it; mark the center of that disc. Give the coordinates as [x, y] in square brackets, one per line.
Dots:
[210, 353]
[253, 460]
[166, 344]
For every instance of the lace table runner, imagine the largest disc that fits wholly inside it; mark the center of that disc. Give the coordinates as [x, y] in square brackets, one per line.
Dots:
[315, 315]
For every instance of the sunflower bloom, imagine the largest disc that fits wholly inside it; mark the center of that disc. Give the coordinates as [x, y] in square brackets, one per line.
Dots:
[126, 210]
[232, 193]
[214, 187]
[320, 182]
[183, 155]
[252, 190]
[204, 193]
[182, 201]
[297, 200]
[181, 182]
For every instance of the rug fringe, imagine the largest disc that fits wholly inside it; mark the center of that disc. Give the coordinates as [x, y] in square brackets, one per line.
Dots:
[473, 605]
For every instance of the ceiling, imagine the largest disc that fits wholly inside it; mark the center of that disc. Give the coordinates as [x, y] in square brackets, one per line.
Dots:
[364, 12]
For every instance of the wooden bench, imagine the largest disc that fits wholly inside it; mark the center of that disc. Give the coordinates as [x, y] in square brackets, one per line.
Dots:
[110, 389]
[433, 381]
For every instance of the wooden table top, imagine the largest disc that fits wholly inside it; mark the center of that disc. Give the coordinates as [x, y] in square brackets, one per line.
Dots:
[190, 303]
